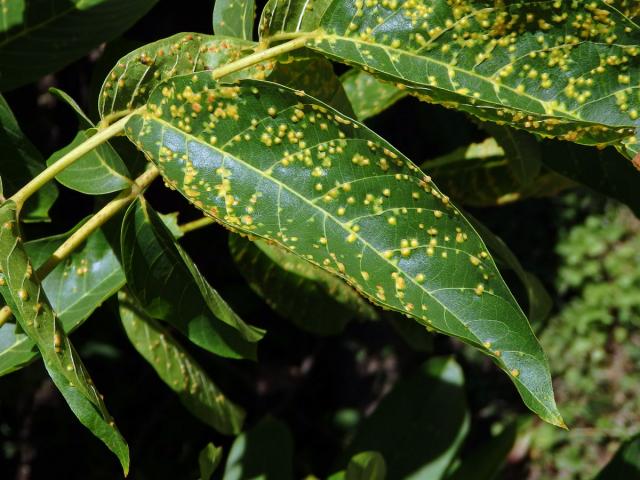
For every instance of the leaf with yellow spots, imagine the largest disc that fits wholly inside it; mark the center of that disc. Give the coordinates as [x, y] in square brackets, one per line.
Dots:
[283, 17]
[563, 69]
[23, 292]
[129, 83]
[323, 303]
[179, 370]
[368, 95]
[169, 287]
[75, 288]
[271, 162]
[234, 18]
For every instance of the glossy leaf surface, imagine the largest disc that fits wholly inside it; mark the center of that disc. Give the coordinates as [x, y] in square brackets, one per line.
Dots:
[98, 172]
[562, 69]
[273, 163]
[234, 18]
[169, 287]
[75, 288]
[21, 161]
[24, 294]
[421, 424]
[132, 79]
[368, 95]
[265, 451]
[179, 370]
[41, 36]
[311, 298]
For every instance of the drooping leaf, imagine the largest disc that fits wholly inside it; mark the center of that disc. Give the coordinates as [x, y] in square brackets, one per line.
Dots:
[420, 425]
[483, 175]
[169, 287]
[179, 370]
[368, 95]
[95, 173]
[311, 298]
[23, 293]
[75, 288]
[234, 18]
[625, 463]
[208, 460]
[20, 162]
[366, 466]
[562, 69]
[314, 75]
[285, 168]
[265, 451]
[132, 79]
[41, 36]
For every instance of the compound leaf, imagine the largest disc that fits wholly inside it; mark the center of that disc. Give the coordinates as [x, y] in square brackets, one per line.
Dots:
[75, 288]
[168, 286]
[274, 163]
[561, 69]
[23, 293]
[179, 370]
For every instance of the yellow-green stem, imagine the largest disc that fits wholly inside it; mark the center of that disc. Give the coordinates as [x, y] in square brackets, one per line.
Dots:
[196, 224]
[97, 220]
[67, 160]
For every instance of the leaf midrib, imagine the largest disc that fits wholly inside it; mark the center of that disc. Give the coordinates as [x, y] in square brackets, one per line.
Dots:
[148, 117]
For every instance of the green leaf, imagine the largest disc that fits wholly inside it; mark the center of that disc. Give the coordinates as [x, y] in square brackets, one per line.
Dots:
[313, 74]
[75, 288]
[309, 297]
[286, 16]
[41, 36]
[483, 175]
[265, 451]
[485, 460]
[625, 463]
[132, 79]
[368, 95]
[179, 370]
[288, 169]
[85, 121]
[421, 424]
[169, 287]
[21, 161]
[95, 173]
[564, 69]
[24, 294]
[366, 466]
[605, 171]
[234, 18]
[208, 460]
[522, 150]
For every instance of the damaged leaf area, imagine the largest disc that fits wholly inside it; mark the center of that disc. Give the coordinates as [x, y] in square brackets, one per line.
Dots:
[566, 69]
[274, 163]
